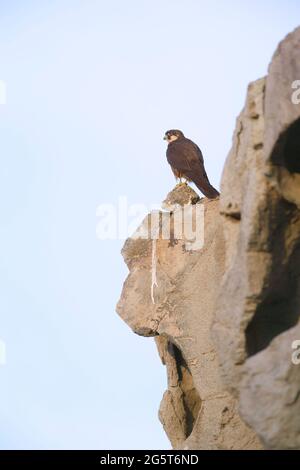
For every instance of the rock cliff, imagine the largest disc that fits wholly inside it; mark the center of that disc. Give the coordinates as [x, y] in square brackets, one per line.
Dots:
[257, 312]
[222, 298]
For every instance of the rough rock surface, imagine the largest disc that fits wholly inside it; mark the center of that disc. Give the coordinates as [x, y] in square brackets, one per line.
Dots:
[224, 308]
[196, 411]
[257, 317]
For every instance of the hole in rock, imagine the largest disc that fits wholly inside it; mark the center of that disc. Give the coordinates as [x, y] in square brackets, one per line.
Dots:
[286, 151]
[280, 310]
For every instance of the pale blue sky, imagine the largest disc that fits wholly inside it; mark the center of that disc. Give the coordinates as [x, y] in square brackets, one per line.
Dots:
[91, 88]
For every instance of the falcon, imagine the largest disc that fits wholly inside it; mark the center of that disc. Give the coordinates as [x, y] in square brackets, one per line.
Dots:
[186, 161]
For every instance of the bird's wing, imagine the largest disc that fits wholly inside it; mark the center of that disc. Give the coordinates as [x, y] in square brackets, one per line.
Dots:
[184, 155]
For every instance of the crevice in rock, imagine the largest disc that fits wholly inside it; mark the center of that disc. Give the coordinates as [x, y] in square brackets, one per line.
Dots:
[190, 396]
[236, 216]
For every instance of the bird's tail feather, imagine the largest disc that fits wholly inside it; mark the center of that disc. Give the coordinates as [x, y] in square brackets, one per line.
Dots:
[203, 184]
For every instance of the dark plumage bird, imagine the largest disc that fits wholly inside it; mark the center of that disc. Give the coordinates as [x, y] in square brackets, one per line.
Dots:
[187, 162]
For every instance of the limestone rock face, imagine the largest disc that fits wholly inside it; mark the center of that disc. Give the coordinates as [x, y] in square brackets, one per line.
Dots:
[196, 411]
[217, 284]
[258, 308]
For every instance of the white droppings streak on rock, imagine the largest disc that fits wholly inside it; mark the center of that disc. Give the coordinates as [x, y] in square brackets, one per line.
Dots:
[153, 270]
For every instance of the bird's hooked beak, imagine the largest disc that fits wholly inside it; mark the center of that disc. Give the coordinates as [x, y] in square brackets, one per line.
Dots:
[165, 137]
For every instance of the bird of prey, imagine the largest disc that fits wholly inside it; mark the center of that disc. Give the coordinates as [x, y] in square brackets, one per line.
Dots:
[186, 161]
